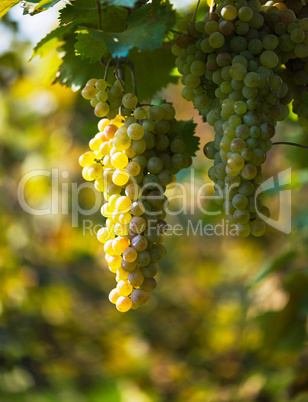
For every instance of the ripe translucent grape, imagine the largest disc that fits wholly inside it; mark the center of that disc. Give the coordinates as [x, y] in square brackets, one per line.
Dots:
[124, 304]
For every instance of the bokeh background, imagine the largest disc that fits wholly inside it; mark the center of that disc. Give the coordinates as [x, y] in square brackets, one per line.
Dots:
[228, 321]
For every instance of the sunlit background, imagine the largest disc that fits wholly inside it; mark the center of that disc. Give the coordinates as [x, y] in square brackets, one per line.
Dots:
[228, 321]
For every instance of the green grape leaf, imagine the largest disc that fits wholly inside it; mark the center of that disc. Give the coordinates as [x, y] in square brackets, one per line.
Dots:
[188, 129]
[82, 10]
[51, 40]
[74, 71]
[37, 6]
[85, 46]
[160, 63]
[88, 48]
[113, 19]
[45, 4]
[145, 33]
[6, 5]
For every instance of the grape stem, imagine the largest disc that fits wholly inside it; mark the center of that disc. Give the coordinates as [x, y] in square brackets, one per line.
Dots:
[174, 31]
[195, 12]
[99, 12]
[116, 74]
[290, 143]
[130, 65]
[106, 68]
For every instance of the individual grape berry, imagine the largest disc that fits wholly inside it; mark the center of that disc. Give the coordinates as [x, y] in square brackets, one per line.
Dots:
[124, 304]
[130, 101]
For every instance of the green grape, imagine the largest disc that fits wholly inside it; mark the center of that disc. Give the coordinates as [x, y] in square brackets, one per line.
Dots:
[139, 243]
[162, 142]
[188, 94]
[138, 224]
[149, 271]
[165, 177]
[137, 208]
[249, 172]
[102, 96]
[101, 85]
[94, 102]
[258, 228]
[143, 258]
[139, 297]
[243, 230]
[155, 165]
[148, 125]
[135, 278]
[238, 71]
[229, 12]
[269, 59]
[138, 146]
[88, 92]
[148, 284]
[128, 266]
[101, 109]
[156, 113]
[211, 27]
[177, 146]
[245, 14]
[139, 113]
[150, 181]
[270, 42]
[130, 101]
[135, 131]
[133, 168]
[197, 68]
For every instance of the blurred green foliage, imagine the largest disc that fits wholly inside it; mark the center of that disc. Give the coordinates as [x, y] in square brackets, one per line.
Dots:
[227, 323]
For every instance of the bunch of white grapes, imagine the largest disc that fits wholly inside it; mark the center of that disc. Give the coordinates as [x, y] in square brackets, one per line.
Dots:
[132, 160]
[232, 66]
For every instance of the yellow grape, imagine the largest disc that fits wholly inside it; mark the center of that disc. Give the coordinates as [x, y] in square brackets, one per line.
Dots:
[120, 177]
[87, 159]
[124, 304]
[105, 234]
[123, 203]
[95, 143]
[121, 230]
[104, 148]
[124, 288]
[122, 275]
[99, 185]
[103, 123]
[113, 296]
[119, 160]
[91, 82]
[95, 171]
[88, 92]
[112, 200]
[120, 244]
[114, 262]
[125, 218]
[106, 210]
[116, 216]
[85, 174]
